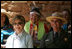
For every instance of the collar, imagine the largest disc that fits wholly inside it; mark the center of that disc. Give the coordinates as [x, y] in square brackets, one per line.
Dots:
[19, 35]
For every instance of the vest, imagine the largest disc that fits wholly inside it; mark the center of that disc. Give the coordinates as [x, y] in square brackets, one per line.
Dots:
[41, 29]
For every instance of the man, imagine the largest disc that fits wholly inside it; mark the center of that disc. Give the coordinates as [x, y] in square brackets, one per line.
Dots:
[35, 26]
[67, 15]
[56, 38]
[67, 27]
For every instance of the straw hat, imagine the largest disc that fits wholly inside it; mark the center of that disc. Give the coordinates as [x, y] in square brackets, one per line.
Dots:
[3, 11]
[56, 15]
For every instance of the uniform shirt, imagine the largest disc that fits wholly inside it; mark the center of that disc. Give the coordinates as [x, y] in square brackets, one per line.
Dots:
[62, 41]
[22, 40]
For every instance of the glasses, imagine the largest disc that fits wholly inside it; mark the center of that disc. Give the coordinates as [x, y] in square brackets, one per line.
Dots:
[19, 23]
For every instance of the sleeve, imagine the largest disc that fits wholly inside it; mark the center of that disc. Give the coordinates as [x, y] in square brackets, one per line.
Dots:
[30, 42]
[42, 43]
[8, 43]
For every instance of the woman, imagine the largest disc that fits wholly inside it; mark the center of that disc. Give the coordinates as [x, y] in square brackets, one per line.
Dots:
[20, 39]
[6, 27]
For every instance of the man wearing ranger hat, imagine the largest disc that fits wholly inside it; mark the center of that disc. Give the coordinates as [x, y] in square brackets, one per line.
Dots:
[57, 37]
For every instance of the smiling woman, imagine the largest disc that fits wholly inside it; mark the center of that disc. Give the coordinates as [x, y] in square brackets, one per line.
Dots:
[20, 39]
[18, 23]
[29, 17]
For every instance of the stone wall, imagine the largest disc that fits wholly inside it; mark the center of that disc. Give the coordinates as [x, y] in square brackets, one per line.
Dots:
[23, 7]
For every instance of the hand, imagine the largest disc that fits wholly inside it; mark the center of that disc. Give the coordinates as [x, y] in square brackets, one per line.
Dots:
[3, 46]
[69, 27]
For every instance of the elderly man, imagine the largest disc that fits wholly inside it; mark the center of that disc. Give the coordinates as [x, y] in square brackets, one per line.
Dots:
[57, 37]
[35, 27]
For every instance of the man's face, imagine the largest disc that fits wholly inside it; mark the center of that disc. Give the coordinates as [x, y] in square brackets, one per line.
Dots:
[65, 15]
[33, 17]
[56, 23]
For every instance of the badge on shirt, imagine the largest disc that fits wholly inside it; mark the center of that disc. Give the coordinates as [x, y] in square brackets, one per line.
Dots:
[65, 39]
[47, 40]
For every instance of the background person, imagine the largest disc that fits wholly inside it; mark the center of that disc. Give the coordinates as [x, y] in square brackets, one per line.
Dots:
[6, 27]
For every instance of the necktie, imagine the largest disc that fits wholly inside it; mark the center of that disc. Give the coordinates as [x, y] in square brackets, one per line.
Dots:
[56, 36]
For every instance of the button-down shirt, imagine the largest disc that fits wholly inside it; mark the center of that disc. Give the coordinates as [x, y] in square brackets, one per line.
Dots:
[22, 40]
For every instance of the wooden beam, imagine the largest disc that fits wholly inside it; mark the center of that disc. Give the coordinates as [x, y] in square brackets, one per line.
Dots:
[19, 1]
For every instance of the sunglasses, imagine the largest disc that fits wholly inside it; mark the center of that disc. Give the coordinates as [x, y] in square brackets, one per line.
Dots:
[19, 23]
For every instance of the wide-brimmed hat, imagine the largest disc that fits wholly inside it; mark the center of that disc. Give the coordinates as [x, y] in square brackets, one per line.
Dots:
[57, 15]
[3, 11]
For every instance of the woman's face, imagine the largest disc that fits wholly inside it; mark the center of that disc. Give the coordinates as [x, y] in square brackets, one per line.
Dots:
[2, 19]
[18, 25]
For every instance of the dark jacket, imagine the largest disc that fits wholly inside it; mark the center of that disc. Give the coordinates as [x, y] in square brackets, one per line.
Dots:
[49, 41]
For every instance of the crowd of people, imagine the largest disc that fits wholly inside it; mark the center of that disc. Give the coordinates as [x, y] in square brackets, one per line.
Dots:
[56, 33]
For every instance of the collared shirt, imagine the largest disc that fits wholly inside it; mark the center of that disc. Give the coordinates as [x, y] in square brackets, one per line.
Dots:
[22, 40]
[57, 33]
[62, 42]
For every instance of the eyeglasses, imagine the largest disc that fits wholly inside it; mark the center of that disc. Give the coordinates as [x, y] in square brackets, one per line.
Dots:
[19, 23]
